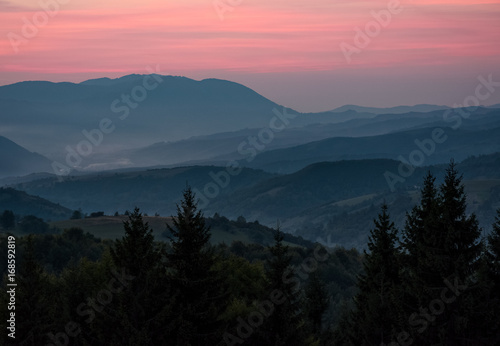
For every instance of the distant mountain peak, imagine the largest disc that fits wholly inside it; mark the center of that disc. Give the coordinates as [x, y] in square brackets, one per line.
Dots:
[105, 81]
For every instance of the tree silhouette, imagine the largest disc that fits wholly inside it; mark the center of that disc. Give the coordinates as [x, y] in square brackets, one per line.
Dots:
[375, 317]
[198, 287]
[143, 304]
[284, 326]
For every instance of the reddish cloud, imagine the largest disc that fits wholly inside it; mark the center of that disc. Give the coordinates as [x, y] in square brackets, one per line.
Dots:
[256, 36]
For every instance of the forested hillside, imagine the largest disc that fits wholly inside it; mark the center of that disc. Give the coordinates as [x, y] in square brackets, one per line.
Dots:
[329, 202]
[433, 281]
[23, 204]
[183, 291]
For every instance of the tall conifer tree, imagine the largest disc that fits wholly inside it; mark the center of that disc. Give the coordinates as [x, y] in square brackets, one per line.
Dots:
[284, 324]
[442, 249]
[199, 288]
[141, 307]
[375, 316]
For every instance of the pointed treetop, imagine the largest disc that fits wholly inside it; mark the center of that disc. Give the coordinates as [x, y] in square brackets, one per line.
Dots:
[278, 248]
[189, 233]
[428, 191]
[383, 236]
[136, 250]
[452, 193]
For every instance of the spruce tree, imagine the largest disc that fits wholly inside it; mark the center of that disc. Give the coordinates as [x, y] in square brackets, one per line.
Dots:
[459, 260]
[199, 288]
[136, 251]
[284, 324]
[421, 223]
[375, 316]
[422, 239]
[462, 232]
[141, 308]
[442, 248]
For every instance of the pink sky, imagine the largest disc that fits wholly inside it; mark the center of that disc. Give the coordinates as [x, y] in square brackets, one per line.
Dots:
[288, 50]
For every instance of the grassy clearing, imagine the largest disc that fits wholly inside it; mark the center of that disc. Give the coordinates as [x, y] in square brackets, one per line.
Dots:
[111, 227]
[354, 201]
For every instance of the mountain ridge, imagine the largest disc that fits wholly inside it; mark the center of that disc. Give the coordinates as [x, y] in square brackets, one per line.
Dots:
[16, 160]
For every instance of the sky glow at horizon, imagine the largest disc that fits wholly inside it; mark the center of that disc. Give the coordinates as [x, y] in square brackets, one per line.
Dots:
[289, 51]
